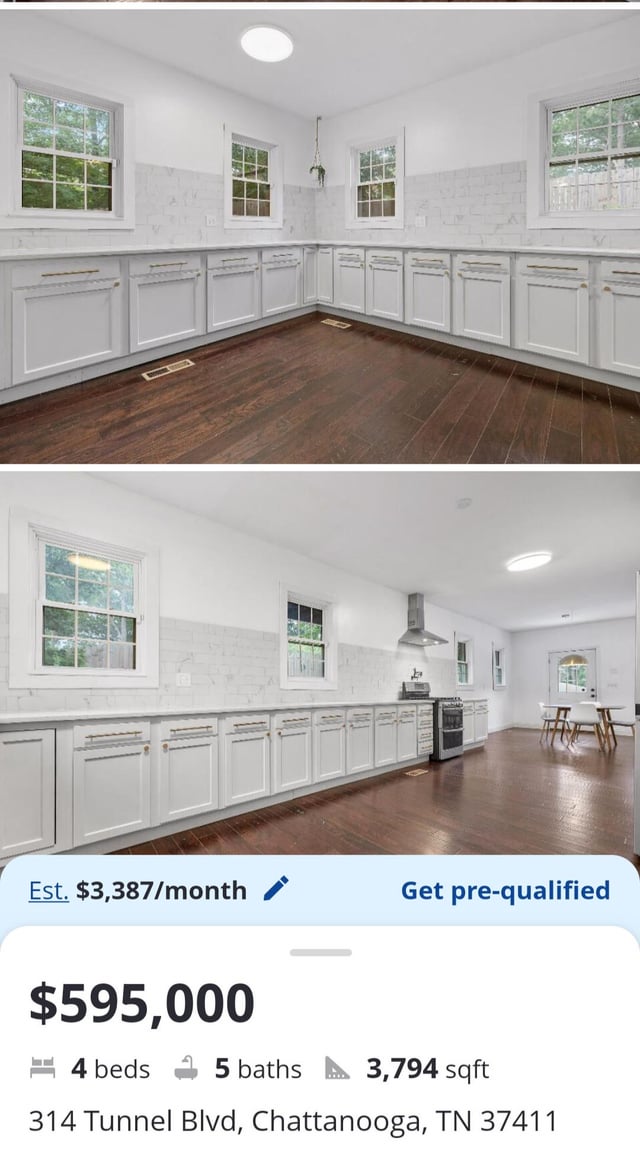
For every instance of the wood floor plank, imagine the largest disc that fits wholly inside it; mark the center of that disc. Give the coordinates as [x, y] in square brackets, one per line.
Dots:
[529, 445]
[598, 432]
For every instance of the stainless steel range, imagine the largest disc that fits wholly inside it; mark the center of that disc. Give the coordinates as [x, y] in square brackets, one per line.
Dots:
[448, 726]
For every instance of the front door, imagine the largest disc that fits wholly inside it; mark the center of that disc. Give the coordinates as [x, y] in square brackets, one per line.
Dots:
[572, 676]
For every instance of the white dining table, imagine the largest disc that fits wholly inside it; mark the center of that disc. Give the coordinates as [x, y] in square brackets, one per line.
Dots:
[604, 710]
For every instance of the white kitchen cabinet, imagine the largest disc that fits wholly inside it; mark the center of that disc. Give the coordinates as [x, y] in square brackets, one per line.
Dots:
[281, 280]
[188, 778]
[325, 275]
[247, 759]
[425, 729]
[233, 288]
[65, 314]
[166, 300]
[468, 723]
[27, 791]
[292, 751]
[407, 734]
[481, 721]
[384, 284]
[552, 306]
[360, 740]
[349, 279]
[111, 791]
[427, 290]
[309, 275]
[386, 740]
[329, 745]
[619, 317]
[482, 297]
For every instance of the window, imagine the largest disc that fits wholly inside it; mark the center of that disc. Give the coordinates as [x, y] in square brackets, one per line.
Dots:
[253, 183]
[375, 184]
[308, 656]
[572, 674]
[74, 163]
[83, 613]
[464, 662]
[499, 667]
[586, 167]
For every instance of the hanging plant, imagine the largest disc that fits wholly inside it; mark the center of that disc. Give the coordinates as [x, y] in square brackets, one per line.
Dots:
[317, 166]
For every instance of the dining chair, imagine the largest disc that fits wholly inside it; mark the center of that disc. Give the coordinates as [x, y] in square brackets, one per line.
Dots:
[548, 722]
[618, 722]
[586, 714]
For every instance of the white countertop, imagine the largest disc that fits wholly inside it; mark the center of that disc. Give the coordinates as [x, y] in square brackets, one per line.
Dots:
[133, 250]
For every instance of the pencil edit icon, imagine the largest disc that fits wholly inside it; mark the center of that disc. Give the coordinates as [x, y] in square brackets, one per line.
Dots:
[275, 888]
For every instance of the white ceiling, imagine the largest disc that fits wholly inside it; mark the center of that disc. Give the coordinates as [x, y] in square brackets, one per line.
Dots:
[343, 59]
[403, 529]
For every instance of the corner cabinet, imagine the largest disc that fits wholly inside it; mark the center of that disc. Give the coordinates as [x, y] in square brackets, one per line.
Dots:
[329, 747]
[65, 315]
[166, 300]
[281, 280]
[111, 780]
[188, 778]
[292, 751]
[552, 306]
[349, 279]
[384, 284]
[233, 289]
[27, 791]
[619, 317]
[247, 759]
[427, 290]
[482, 297]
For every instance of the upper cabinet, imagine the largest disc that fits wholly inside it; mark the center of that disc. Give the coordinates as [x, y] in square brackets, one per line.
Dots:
[482, 297]
[427, 290]
[619, 316]
[552, 306]
[166, 299]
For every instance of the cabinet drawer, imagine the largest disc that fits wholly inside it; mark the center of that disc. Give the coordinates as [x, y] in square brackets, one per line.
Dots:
[346, 256]
[620, 270]
[75, 270]
[106, 732]
[479, 263]
[164, 263]
[328, 717]
[292, 720]
[280, 256]
[232, 259]
[247, 723]
[540, 265]
[384, 257]
[360, 715]
[386, 712]
[185, 728]
[419, 260]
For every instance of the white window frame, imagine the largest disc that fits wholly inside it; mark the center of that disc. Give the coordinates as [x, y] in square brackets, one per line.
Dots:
[26, 531]
[354, 148]
[540, 107]
[501, 665]
[12, 214]
[469, 661]
[327, 605]
[274, 221]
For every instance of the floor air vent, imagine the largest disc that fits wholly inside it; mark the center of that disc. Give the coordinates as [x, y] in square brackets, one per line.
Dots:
[335, 323]
[418, 771]
[163, 370]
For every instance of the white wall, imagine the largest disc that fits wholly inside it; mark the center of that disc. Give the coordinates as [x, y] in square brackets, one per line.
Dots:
[615, 646]
[179, 119]
[481, 118]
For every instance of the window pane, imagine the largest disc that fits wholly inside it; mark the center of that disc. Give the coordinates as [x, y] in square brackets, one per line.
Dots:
[390, 170]
[95, 654]
[70, 114]
[389, 208]
[56, 560]
[251, 208]
[264, 208]
[262, 157]
[69, 140]
[99, 199]
[122, 629]
[69, 197]
[37, 135]
[92, 594]
[61, 622]
[38, 166]
[92, 625]
[37, 196]
[70, 170]
[237, 189]
[316, 616]
[363, 208]
[564, 144]
[566, 120]
[627, 108]
[60, 589]
[38, 107]
[262, 173]
[121, 598]
[593, 140]
[98, 129]
[98, 173]
[389, 190]
[238, 208]
[58, 652]
[593, 184]
[562, 187]
[122, 656]
[305, 613]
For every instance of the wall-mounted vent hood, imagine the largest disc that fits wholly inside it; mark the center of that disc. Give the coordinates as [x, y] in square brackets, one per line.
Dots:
[416, 635]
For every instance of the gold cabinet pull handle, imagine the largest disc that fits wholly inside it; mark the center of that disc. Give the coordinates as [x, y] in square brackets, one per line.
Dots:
[165, 264]
[176, 730]
[113, 734]
[561, 268]
[70, 273]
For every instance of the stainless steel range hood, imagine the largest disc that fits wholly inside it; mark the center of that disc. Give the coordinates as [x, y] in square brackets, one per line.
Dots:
[416, 635]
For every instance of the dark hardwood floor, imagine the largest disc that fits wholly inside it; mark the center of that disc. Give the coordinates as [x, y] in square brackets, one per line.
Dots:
[303, 392]
[513, 797]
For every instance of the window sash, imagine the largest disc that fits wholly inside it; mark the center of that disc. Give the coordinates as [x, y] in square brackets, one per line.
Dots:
[606, 155]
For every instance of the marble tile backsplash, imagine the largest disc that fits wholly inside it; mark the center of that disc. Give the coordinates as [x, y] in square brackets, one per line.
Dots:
[229, 666]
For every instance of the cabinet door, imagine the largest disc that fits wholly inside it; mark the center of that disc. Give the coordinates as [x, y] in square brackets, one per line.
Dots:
[349, 284]
[481, 722]
[360, 743]
[233, 297]
[619, 327]
[386, 741]
[483, 300]
[468, 735]
[247, 773]
[65, 326]
[310, 275]
[27, 791]
[292, 765]
[325, 276]
[552, 316]
[428, 296]
[384, 296]
[165, 307]
[188, 777]
[407, 736]
[281, 286]
[111, 792]
[329, 751]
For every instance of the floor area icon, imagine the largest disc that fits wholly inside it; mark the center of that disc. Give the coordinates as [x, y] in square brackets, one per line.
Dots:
[333, 1071]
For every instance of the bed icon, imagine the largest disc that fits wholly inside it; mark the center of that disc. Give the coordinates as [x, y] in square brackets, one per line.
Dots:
[188, 1073]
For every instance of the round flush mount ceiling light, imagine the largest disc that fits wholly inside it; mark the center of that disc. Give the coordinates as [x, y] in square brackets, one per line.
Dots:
[266, 43]
[529, 561]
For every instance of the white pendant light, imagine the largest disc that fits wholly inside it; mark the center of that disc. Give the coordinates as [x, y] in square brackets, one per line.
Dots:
[266, 43]
[529, 561]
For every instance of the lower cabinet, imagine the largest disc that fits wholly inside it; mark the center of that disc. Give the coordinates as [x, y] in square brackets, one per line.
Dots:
[360, 740]
[384, 284]
[233, 289]
[111, 791]
[281, 281]
[188, 776]
[349, 280]
[552, 307]
[166, 300]
[329, 746]
[386, 735]
[325, 275]
[475, 722]
[427, 290]
[309, 275]
[292, 751]
[468, 734]
[619, 317]
[247, 759]
[407, 733]
[482, 297]
[27, 791]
